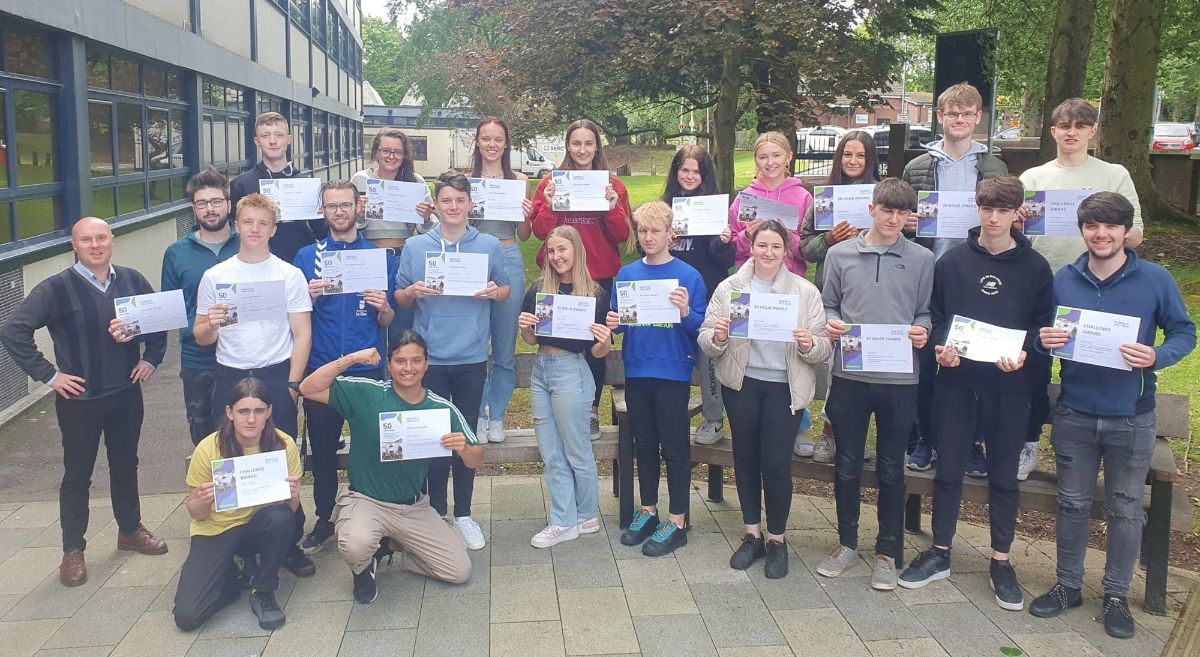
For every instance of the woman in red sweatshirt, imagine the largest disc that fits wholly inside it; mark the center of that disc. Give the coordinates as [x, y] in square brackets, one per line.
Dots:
[773, 180]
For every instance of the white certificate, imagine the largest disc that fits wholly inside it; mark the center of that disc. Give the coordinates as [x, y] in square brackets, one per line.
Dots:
[1054, 212]
[1095, 337]
[497, 200]
[983, 342]
[351, 272]
[251, 302]
[151, 313]
[700, 215]
[762, 316]
[251, 480]
[647, 302]
[394, 200]
[564, 316]
[456, 274]
[946, 214]
[757, 208]
[405, 435]
[833, 204]
[876, 348]
[580, 191]
[298, 198]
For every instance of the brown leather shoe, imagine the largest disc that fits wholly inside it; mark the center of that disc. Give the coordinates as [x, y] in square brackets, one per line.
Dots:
[141, 541]
[72, 571]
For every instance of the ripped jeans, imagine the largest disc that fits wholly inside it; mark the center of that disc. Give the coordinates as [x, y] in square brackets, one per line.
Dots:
[1126, 445]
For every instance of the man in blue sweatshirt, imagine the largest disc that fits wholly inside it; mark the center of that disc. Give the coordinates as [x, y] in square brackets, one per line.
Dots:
[341, 324]
[184, 263]
[1106, 413]
[658, 373]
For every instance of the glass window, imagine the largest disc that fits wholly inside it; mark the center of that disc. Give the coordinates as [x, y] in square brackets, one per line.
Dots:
[156, 81]
[3, 150]
[97, 70]
[129, 139]
[179, 188]
[35, 138]
[103, 203]
[300, 14]
[160, 191]
[206, 156]
[38, 216]
[125, 76]
[6, 233]
[420, 147]
[318, 21]
[158, 139]
[100, 134]
[28, 55]
[174, 86]
[237, 136]
[220, 154]
[131, 198]
[178, 143]
[233, 97]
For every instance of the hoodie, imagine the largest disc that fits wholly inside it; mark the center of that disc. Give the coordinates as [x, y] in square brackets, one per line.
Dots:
[184, 264]
[935, 170]
[456, 329]
[1012, 289]
[793, 193]
[602, 232]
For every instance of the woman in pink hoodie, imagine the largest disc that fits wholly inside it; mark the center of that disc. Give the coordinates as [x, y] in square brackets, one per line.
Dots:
[772, 180]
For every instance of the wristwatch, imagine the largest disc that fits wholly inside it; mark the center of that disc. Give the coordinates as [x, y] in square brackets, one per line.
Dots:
[294, 385]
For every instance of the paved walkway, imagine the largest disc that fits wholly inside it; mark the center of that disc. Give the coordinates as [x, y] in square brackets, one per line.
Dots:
[588, 597]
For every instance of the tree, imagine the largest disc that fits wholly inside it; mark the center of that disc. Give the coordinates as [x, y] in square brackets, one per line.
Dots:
[382, 47]
[1066, 70]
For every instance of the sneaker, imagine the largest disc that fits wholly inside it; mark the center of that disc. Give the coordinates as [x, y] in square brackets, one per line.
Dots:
[299, 563]
[667, 538]
[553, 535]
[1055, 601]
[589, 526]
[495, 431]
[1004, 582]
[922, 456]
[710, 432]
[1028, 462]
[1118, 622]
[266, 609]
[640, 528]
[481, 429]
[365, 589]
[777, 560]
[594, 426]
[385, 551]
[804, 449]
[322, 531]
[838, 561]
[929, 566]
[751, 550]
[471, 533]
[824, 450]
[976, 462]
[884, 578]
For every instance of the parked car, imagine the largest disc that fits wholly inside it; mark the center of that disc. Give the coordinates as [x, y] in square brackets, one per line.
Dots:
[819, 140]
[1008, 134]
[1173, 137]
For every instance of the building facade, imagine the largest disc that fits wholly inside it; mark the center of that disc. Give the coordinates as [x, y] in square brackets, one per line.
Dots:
[107, 107]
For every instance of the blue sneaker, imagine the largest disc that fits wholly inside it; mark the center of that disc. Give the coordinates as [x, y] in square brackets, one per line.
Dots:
[976, 463]
[640, 528]
[922, 457]
[666, 539]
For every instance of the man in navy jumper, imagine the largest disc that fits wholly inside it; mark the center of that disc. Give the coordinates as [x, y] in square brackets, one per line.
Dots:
[1106, 413]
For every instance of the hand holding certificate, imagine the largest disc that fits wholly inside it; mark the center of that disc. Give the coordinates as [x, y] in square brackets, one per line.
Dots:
[564, 316]
[946, 214]
[700, 215]
[407, 435]
[151, 313]
[298, 198]
[833, 204]
[456, 274]
[983, 342]
[394, 200]
[1053, 212]
[251, 302]
[876, 348]
[250, 480]
[757, 208]
[762, 316]
[646, 302]
[351, 272]
[580, 191]
[1095, 337]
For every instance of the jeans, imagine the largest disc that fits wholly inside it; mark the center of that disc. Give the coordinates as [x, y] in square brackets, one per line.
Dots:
[561, 392]
[324, 428]
[275, 377]
[1126, 445]
[711, 405]
[764, 431]
[923, 427]
[498, 388]
[463, 386]
[658, 419]
[198, 401]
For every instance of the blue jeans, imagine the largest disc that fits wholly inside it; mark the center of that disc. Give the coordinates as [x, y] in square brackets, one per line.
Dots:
[1126, 445]
[498, 388]
[562, 391]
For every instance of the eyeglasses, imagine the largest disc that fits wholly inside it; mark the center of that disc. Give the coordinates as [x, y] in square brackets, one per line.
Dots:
[389, 152]
[334, 207]
[954, 116]
[203, 204]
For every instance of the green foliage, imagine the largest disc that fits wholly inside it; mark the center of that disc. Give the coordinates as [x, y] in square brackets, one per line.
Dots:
[382, 47]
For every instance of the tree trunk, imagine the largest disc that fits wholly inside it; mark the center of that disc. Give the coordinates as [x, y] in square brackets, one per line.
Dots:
[724, 123]
[1031, 113]
[1196, 116]
[1066, 72]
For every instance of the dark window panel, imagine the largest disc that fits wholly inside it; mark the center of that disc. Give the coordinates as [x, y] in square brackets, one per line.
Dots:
[97, 70]
[104, 203]
[100, 136]
[420, 147]
[156, 81]
[3, 148]
[179, 188]
[160, 192]
[125, 75]
[179, 150]
[206, 153]
[28, 55]
[174, 86]
[35, 139]
[6, 234]
[129, 139]
[38, 216]
[233, 98]
[158, 139]
[130, 198]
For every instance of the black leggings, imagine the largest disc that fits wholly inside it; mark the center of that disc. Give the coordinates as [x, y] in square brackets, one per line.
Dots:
[463, 386]
[658, 418]
[597, 365]
[764, 432]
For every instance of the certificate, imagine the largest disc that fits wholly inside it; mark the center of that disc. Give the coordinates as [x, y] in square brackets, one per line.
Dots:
[351, 272]
[877, 348]
[497, 200]
[833, 204]
[564, 316]
[394, 200]
[762, 316]
[1095, 337]
[250, 480]
[757, 208]
[252, 302]
[456, 274]
[298, 198]
[983, 342]
[946, 214]
[580, 191]
[646, 302]
[405, 435]
[1054, 212]
[151, 313]
[700, 215]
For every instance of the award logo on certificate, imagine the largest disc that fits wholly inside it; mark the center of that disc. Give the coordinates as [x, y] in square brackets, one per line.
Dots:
[251, 302]
[394, 200]
[353, 272]
[646, 302]
[757, 208]
[151, 313]
[1095, 337]
[579, 191]
[946, 214]
[408, 435]
[700, 215]
[564, 316]
[983, 342]
[762, 316]
[298, 198]
[251, 480]
[833, 204]
[456, 274]
[876, 348]
[497, 200]
[1054, 212]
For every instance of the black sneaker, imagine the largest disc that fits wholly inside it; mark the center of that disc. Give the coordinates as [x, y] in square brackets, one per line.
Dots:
[748, 552]
[640, 528]
[777, 560]
[384, 552]
[667, 538]
[1118, 622]
[266, 610]
[299, 563]
[322, 531]
[364, 585]
[1004, 583]
[1055, 601]
[929, 566]
[976, 462]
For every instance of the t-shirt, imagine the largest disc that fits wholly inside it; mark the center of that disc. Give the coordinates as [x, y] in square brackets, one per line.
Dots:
[566, 344]
[1093, 174]
[200, 472]
[251, 345]
[767, 360]
[361, 401]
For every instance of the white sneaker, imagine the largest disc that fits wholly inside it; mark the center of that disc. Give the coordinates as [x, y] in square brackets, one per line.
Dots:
[553, 535]
[589, 526]
[481, 430]
[1028, 461]
[471, 533]
[804, 449]
[709, 433]
[495, 431]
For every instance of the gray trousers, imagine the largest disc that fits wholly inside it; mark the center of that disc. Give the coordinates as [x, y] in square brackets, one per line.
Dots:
[712, 407]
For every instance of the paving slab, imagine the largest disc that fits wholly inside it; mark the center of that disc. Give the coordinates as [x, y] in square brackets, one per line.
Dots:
[705, 560]
[596, 621]
[398, 605]
[50, 599]
[1054, 645]
[375, 643]
[798, 590]
[510, 542]
[236, 622]
[926, 647]
[586, 562]
[529, 639]
[333, 581]
[454, 627]
[523, 593]
[104, 619]
[312, 628]
[246, 647]
[655, 587]
[819, 633]
[155, 634]
[962, 630]
[756, 651]
[90, 651]
[23, 638]
[735, 615]
[518, 501]
[674, 636]
[975, 586]
[27, 567]
[874, 615]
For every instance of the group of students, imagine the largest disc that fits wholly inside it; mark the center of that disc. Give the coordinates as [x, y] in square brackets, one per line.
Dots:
[409, 347]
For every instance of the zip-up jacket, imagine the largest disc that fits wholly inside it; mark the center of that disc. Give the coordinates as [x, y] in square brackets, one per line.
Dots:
[290, 236]
[184, 264]
[602, 233]
[793, 193]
